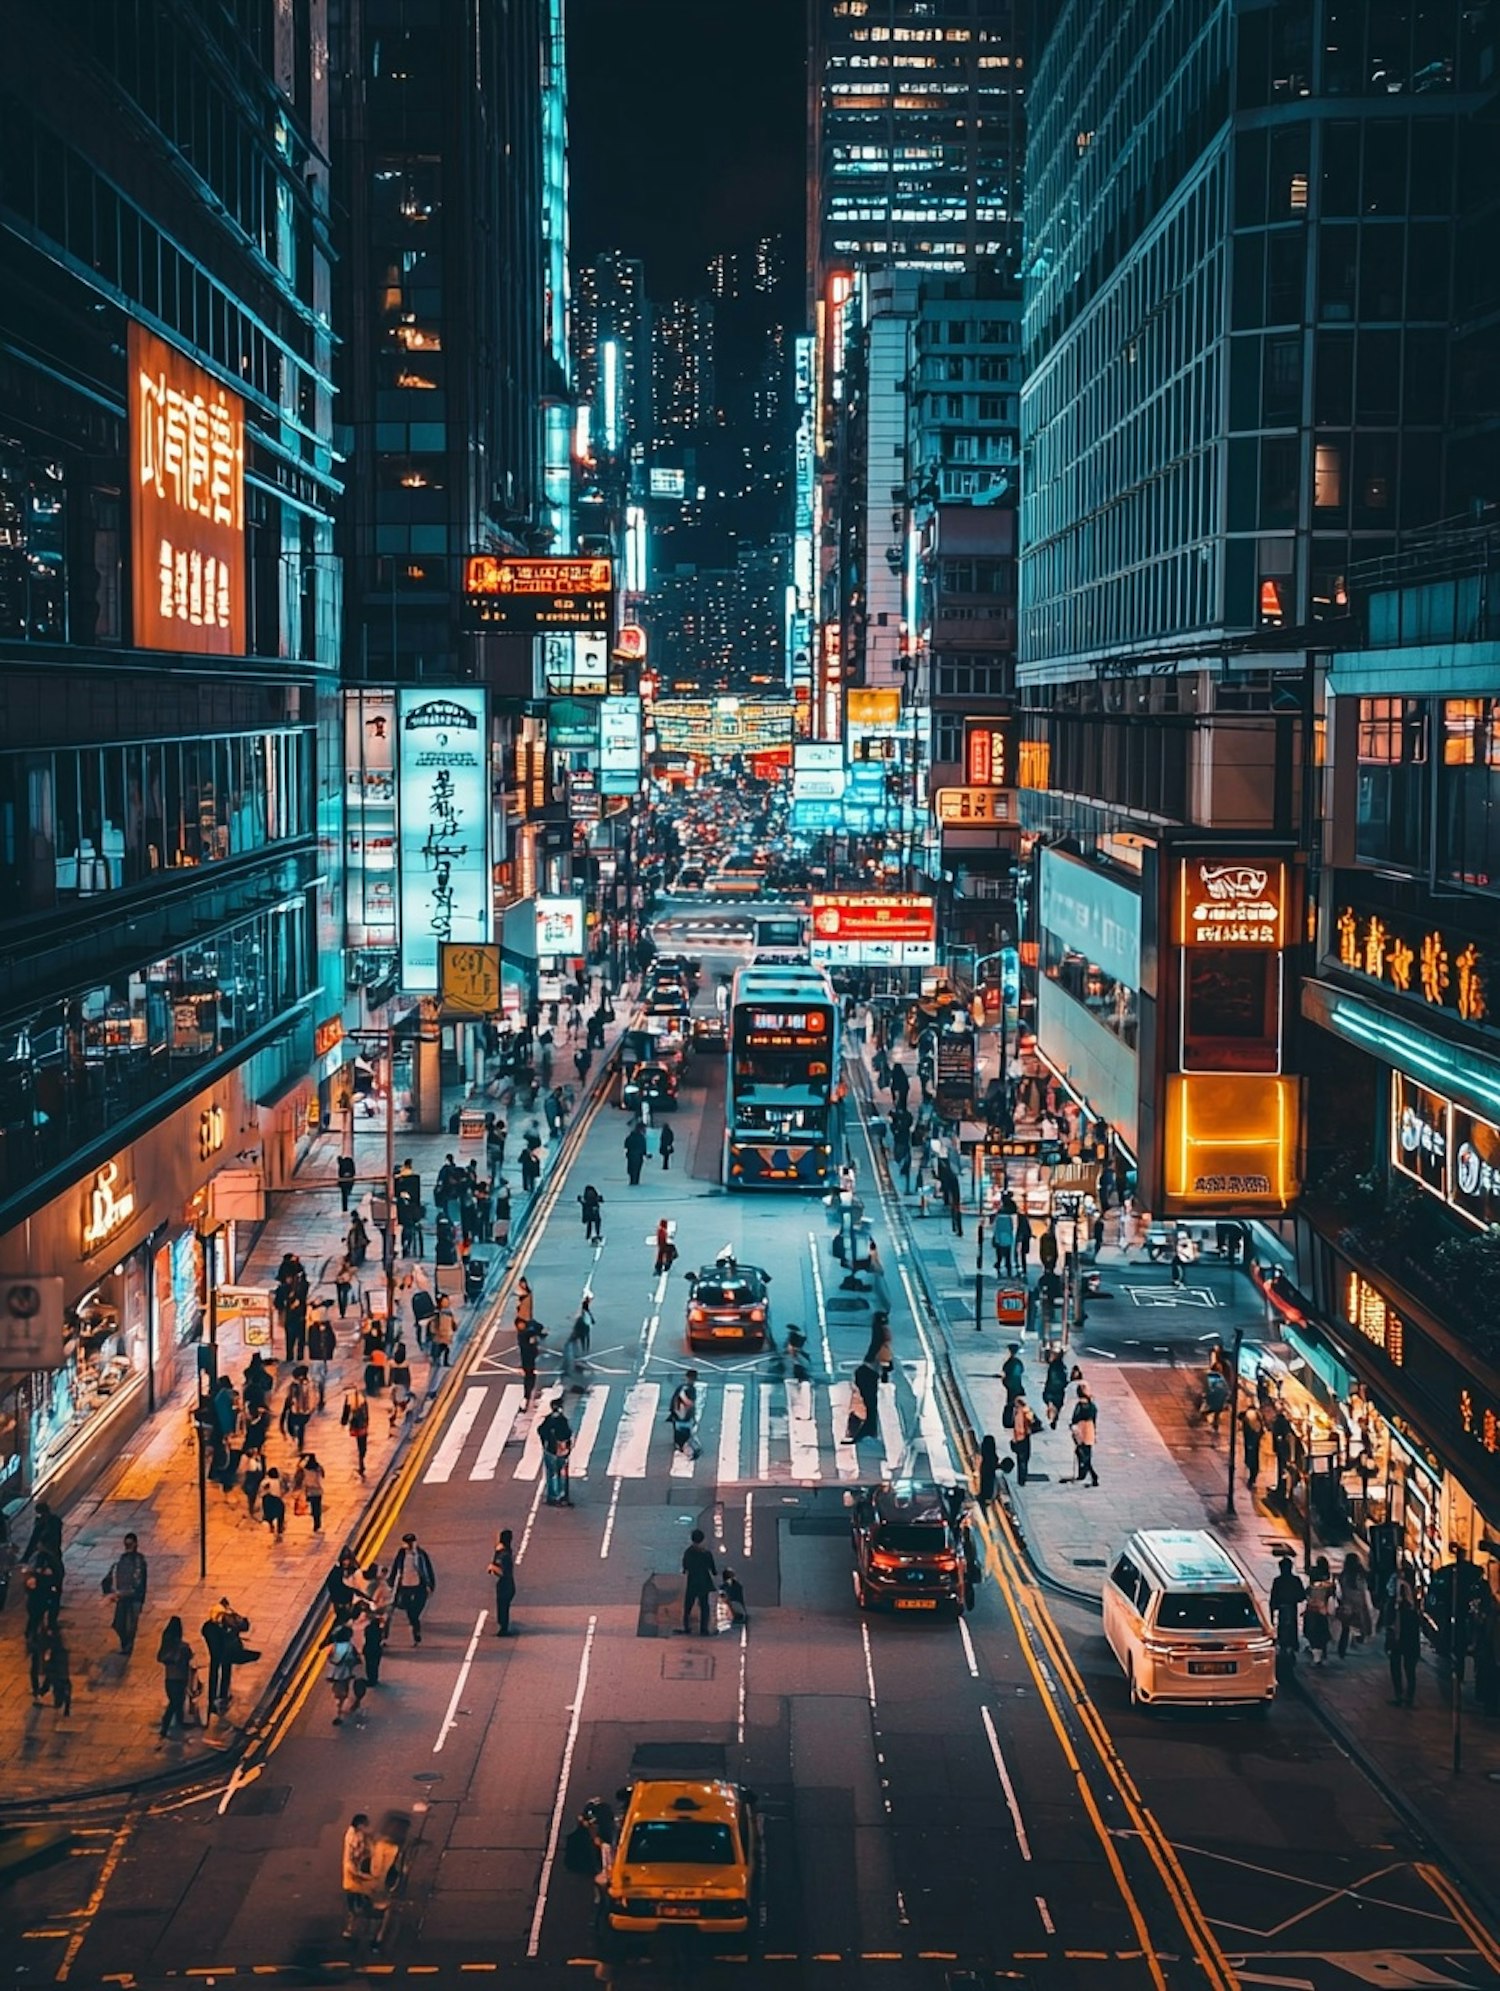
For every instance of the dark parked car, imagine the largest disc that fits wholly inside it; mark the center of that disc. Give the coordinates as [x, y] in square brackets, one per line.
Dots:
[728, 1302]
[912, 1548]
[710, 1033]
[656, 1085]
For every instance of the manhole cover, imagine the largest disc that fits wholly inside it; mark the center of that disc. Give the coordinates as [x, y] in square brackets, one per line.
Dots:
[687, 1665]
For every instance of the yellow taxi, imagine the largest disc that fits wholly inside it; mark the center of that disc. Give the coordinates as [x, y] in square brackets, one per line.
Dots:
[686, 1854]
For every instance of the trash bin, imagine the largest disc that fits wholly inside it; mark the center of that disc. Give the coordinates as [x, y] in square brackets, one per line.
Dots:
[1010, 1306]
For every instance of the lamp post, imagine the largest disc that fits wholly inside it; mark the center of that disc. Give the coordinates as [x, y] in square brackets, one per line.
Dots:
[208, 1376]
[1234, 1414]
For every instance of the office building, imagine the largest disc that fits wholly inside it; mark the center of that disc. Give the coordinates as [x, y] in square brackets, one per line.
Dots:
[682, 369]
[169, 630]
[612, 351]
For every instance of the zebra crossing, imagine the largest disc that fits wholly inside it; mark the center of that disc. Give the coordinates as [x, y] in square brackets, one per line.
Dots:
[749, 1434]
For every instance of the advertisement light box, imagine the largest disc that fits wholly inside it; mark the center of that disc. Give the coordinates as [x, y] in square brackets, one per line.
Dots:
[444, 828]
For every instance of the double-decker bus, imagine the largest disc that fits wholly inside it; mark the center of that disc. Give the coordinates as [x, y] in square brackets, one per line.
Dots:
[782, 1111]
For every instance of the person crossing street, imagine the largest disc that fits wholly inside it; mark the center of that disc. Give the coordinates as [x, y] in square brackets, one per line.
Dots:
[556, 1435]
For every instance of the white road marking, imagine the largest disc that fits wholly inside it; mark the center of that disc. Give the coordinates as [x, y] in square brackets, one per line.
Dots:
[802, 1431]
[817, 1277]
[655, 1321]
[744, 1661]
[530, 1462]
[536, 1501]
[487, 1464]
[554, 1829]
[970, 1655]
[749, 1535]
[893, 1439]
[1006, 1785]
[731, 1428]
[934, 1437]
[763, 1392]
[627, 1459]
[847, 1456]
[445, 1458]
[1051, 1927]
[458, 1684]
[885, 1782]
[609, 1524]
[595, 1401]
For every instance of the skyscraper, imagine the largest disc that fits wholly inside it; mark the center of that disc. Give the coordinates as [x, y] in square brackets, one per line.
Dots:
[610, 311]
[682, 368]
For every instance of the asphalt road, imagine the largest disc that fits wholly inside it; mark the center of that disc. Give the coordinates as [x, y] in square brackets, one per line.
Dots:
[944, 1805]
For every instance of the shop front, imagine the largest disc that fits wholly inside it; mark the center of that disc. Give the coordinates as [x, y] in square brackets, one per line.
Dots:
[127, 1242]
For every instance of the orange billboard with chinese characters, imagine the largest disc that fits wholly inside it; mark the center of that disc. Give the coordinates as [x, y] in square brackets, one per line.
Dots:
[880, 707]
[187, 503]
[1232, 902]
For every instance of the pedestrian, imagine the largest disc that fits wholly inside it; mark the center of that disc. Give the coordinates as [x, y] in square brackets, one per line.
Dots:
[575, 1356]
[322, 1345]
[796, 1349]
[1251, 1434]
[126, 1583]
[57, 1671]
[503, 1569]
[297, 1406]
[358, 1241]
[1352, 1604]
[259, 1385]
[733, 1592]
[531, 1163]
[593, 1214]
[528, 1346]
[369, 1637]
[502, 1212]
[1282, 1439]
[989, 1469]
[1047, 1248]
[1023, 1243]
[441, 1331]
[525, 1301]
[344, 1279]
[635, 1154]
[900, 1084]
[1084, 1425]
[400, 1380]
[666, 1250]
[273, 1503]
[1182, 1254]
[682, 1414]
[1287, 1594]
[44, 1583]
[413, 1579]
[175, 1657]
[700, 1570]
[341, 1666]
[552, 1107]
[1004, 1239]
[1403, 1635]
[864, 1406]
[1022, 1425]
[223, 1633]
[667, 1143]
[307, 1489]
[556, 1435]
[252, 1472]
[1055, 1388]
[881, 1354]
[355, 1418]
[346, 1181]
[343, 1583]
[358, 1861]
[1012, 1376]
[1315, 1615]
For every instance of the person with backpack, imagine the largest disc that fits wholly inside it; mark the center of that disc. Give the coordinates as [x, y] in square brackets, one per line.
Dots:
[297, 1406]
[593, 1214]
[666, 1250]
[322, 1345]
[307, 1487]
[556, 1435]
[682, 1415]
[1084, 1425]
[413, 1579]
[342, 1665]
[1022, 1425]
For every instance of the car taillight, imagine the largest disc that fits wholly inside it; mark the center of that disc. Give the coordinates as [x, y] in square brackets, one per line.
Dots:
[757, 1313]
[696, 1314]
[947, 1562]
[884, 1559]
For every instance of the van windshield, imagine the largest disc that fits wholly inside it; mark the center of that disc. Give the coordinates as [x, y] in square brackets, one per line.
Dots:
[1207, 1611]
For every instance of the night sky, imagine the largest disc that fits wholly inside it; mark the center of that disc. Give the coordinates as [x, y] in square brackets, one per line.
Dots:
[687, 129]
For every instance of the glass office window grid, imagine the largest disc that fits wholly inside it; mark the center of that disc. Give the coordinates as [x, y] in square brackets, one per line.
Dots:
[1121, 451]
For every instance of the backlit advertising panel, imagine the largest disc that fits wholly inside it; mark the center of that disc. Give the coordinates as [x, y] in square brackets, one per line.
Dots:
[187, 503]
[444, 801]
[559, 926]
[989, 753]
[620, 746]
[1232, 902]
[576, 665]
[527, 597]
[870, 930]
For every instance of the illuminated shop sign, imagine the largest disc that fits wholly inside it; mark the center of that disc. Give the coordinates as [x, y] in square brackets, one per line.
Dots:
[108, 1206]
[1438, 966]
[444, 828]
[1230, 1141]
[576, 664]
[530, 596]
[1232, 902]
[620, 746]
[877, 709]
[989, 753]
[971, 808]
[1367, 1309]
[865, 929]
[1451, 1152]
[559, 926]
[187, 503]
[471, 978]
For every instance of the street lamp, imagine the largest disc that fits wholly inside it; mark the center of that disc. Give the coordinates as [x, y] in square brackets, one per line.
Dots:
[208, 1376]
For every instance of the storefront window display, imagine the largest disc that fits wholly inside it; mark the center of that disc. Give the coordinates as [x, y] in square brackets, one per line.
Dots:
[105, 1363]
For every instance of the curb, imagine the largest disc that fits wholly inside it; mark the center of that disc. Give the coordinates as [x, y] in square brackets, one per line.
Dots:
[212, 1771]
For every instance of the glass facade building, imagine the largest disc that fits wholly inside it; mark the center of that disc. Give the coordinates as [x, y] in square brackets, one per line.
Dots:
[169, 618]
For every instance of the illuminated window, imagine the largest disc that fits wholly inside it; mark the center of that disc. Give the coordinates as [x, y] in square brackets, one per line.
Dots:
[1328, 475]
[1462, 718]
[1391, 731]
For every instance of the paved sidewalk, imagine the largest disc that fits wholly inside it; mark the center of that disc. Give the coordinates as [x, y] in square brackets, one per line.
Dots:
[1161, 1465]
[110, 1738]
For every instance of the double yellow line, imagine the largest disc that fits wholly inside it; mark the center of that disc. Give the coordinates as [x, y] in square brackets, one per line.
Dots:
[1033, 1623]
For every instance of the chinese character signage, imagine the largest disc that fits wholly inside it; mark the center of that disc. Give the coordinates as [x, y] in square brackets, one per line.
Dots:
[187, 503]
[972, 808]
[1367, 1309]
[1440, 967]
[527, 597]
[444, 833]
[576, 665]
[1232, 902]
[471, 978]
[620, 746]
[989, 756]
[955, 1074]
[1453, 1153]
[1230, 1143]
[559, 926]
[866, 929]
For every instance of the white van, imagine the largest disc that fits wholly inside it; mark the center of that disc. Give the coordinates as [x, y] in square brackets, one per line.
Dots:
[1183, 1619]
